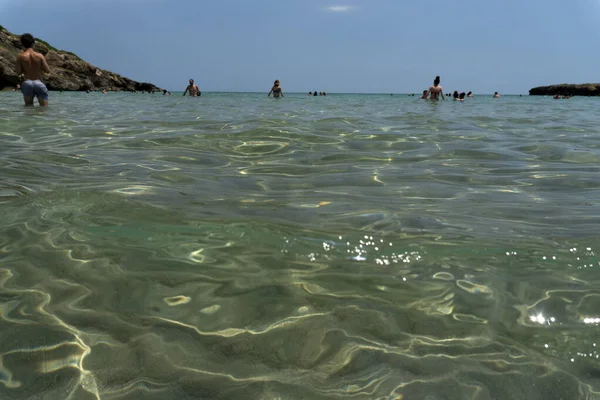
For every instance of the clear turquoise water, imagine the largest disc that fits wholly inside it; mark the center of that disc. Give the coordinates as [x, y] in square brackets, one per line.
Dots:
[348, 247]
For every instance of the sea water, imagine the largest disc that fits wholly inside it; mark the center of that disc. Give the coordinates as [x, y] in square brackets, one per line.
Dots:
[234, 246]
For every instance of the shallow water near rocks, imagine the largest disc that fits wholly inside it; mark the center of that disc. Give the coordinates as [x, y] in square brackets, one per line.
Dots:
[349, 246]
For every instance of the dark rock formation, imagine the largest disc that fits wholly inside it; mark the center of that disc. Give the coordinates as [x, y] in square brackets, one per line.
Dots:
[585, 89]
[67, 71]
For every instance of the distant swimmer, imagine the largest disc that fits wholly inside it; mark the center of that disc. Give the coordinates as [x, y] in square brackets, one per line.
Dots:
[31, 65]
[310, 93]
[193, 89]
[436, 90]
[455, 95]
[496, 95]
[462, 96]
[556, 97]
[470, 94]
[315, 93]
[166, 93]
[276, 90]
[424, 96]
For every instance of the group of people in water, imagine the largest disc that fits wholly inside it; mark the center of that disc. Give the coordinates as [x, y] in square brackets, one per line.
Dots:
[461, 96]
[31, 65]
[277, 92]
[436, 91]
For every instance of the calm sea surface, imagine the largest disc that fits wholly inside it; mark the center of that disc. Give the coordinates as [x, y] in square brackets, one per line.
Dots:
[343, 247]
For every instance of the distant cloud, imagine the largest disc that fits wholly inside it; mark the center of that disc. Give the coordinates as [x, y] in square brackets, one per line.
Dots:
[339, 8]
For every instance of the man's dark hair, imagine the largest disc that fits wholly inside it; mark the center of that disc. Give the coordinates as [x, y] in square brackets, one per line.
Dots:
[27, 40]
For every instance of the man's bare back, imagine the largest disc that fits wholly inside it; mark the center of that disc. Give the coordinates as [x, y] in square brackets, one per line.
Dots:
[31, 65]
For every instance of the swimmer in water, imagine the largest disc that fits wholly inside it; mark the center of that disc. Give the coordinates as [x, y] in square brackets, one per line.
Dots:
[496, 95]
[436, 90]
[276, 90]
[31, 65]
[193, 89]
[455, 95]
[470, 94]
[462, 96]
[424, 95]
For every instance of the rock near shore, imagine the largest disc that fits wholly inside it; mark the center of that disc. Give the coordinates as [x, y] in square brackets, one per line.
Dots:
[585, 89]
[67, 71]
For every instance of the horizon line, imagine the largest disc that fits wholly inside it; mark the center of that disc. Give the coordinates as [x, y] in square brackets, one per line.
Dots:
[303, 93]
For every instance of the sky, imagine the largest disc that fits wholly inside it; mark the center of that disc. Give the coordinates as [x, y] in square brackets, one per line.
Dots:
[349, 46]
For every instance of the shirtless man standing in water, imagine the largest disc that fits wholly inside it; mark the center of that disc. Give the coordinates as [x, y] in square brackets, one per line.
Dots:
[436, 90]
[30, 65]
[193, 89]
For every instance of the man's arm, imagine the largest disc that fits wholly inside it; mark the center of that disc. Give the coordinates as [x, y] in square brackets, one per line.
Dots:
[45, 66]
[198, 92]
[271, 92]
[186, 90]
[281, 93]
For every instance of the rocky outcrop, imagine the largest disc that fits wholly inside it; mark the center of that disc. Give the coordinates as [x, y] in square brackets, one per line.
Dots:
[585, 89]
[67, 71]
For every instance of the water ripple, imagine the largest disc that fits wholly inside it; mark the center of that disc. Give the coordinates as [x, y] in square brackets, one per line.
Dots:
[363, 247]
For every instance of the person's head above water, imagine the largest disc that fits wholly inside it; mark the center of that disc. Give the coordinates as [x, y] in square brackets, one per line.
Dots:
[191, 81]
[455, 95]
[276, 83]
[27, 40]
[462, 95]
[436, 81]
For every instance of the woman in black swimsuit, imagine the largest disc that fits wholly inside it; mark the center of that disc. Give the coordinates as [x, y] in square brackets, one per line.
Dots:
[276, 90]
